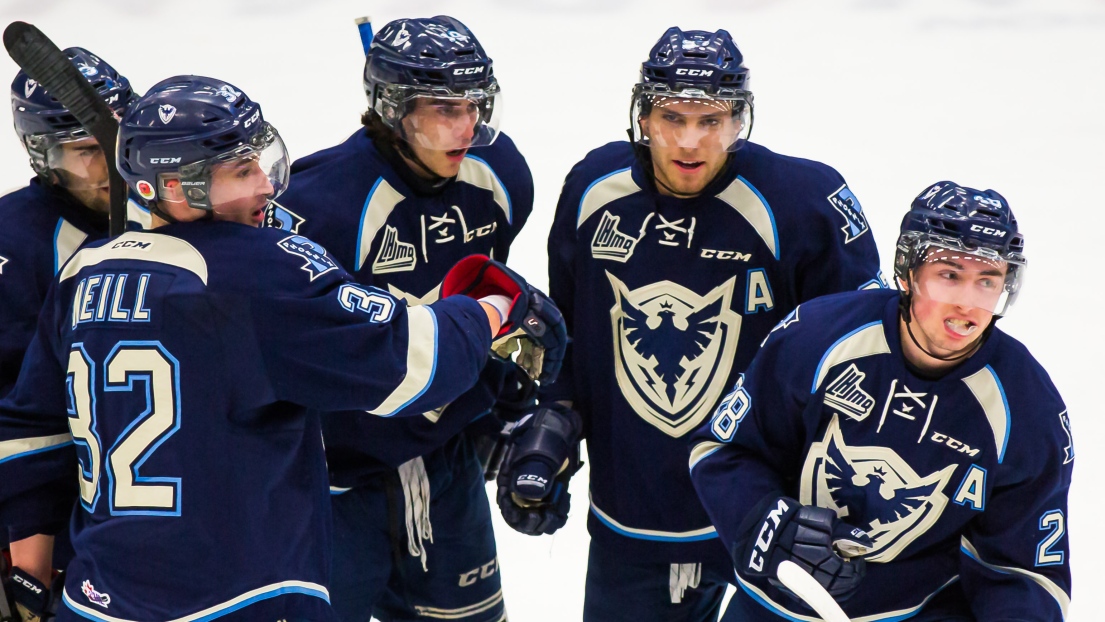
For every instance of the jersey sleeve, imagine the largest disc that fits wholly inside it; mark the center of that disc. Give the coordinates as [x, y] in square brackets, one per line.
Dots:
[21, 293]
[842, 256]
[561, 249]
[518, 180]
[345, 346]
[1015, 557]
[752, 445]
[37, 458]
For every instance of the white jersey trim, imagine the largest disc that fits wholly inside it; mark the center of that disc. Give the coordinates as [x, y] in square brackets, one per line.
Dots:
[1061, 597]
[139, 246]
[21, 447]
[703, 450]
[890, 616]
[706, 533]
[234, 604]
[867, 340]
[987, 389]
[742, 196]
[480, 174]
[421, 362]
[67, 239]
[462, 612]
[604, 190]
[381, 200]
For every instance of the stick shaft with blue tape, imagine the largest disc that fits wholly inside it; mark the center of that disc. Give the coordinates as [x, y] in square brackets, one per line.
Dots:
[364, 25]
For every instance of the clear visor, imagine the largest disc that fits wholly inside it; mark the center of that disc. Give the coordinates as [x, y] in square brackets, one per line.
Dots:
[691, 119]
[78, 162]
[969, 278]
[240, 182]
[440, 120]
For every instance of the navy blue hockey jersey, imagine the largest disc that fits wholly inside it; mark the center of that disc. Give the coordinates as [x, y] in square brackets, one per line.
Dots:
[182, 364]
[42, 229]
[388, 235]
[960, 481]
[666, 301]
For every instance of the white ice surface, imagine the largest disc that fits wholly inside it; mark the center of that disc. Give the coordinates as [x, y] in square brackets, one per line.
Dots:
[895, 94]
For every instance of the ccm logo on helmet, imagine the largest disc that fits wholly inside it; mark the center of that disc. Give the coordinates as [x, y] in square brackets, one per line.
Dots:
[256, 115]
[164, 160]
[694, 72]
[466, 71]
[988, 231]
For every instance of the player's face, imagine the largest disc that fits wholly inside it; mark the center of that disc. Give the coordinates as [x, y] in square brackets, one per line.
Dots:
[240, 191]
[953, 299]
[688, 141]
[439, 132]
[81, 169]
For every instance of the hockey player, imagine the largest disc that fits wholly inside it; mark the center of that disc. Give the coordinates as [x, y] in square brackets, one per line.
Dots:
[428, 180]
[181, 363]
[910, 416]
[63, 206]
[672, 257]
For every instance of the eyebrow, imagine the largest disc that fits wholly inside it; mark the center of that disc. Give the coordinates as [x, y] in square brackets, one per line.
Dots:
[959, 266]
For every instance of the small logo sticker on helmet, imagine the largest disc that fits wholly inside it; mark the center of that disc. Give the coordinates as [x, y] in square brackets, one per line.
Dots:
[166, 112]
[88, 70]
[145, 189]
[228, 93]
[29, 87]
[402, 36]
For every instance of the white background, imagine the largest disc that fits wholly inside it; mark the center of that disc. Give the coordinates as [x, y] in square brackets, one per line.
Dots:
[895, 94]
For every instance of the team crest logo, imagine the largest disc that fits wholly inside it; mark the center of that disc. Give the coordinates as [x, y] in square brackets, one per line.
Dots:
[317, 263]
[394, 255]
[1064, 419]
[609, 243]
[874, 489]
[87, 71]
[228, 93]
[673, 350]
[855, 223]
[166, 112]
[279, 217]
[29, 87]
[847, 396]
[96, 598]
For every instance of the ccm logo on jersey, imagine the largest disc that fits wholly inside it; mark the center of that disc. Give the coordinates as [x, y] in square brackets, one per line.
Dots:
[467, 71]
[988, 231]
[709, 253]
[766, 536]
[694, 72]
[144, 246]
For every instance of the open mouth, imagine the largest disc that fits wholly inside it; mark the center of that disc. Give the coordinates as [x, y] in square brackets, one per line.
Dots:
[689, 165]
[456, 155]
[258, 215]
[960, 327]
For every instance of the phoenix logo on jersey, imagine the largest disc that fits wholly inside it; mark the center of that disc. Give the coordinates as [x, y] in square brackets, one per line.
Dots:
[873, 488]
[673, 350]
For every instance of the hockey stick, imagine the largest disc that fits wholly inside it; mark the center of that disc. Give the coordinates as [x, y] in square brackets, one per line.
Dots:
[810, 591]
[37, 55]
[364, 26]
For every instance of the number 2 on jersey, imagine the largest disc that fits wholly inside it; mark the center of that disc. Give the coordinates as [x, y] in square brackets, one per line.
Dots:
[131, 366]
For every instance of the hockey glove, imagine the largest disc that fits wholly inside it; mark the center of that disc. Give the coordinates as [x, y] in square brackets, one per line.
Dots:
[517, 397]
[532, 314]
[542, 455]
[812, 537]
[28, 600]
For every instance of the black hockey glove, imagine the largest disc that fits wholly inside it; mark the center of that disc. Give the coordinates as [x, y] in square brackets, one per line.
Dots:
[542, 455]
[812, 537]
[532, 314]
[517, 397]
[25, 599]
